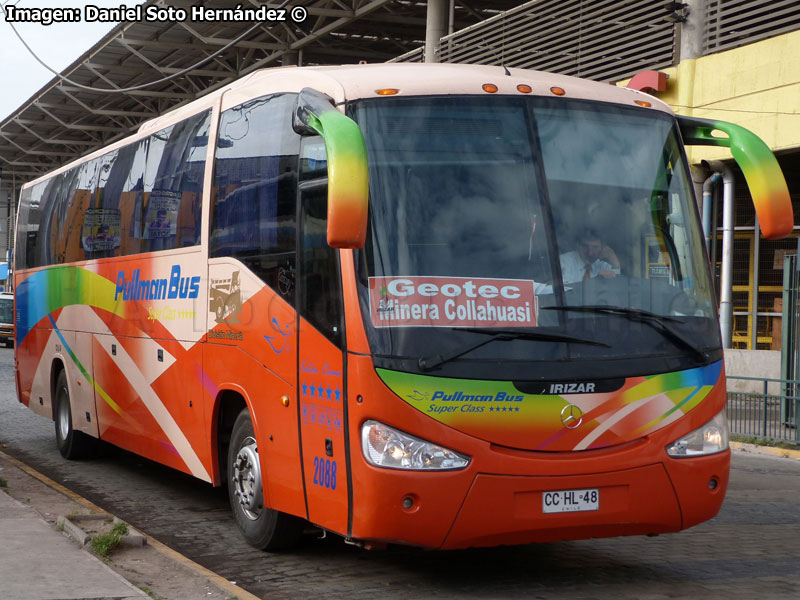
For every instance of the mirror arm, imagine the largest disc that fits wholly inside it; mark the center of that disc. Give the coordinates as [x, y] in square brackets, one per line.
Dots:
[758, 164]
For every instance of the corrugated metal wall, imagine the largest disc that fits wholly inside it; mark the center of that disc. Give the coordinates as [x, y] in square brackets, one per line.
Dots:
[607, 40]
[595, 39]
[733, 23]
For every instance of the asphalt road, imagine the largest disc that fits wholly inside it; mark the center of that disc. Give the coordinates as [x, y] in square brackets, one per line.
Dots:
[749, 551]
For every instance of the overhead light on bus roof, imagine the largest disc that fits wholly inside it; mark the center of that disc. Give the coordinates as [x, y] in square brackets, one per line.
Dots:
[644, 103]
[489, 88]
[387, 91]
[558, 91]
[525, 89]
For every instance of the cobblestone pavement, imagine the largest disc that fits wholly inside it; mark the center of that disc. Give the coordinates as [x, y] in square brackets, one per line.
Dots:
[749, 551]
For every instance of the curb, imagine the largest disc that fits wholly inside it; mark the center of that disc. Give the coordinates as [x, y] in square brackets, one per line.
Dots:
[133, 538]
[168, 552]
[770, 450]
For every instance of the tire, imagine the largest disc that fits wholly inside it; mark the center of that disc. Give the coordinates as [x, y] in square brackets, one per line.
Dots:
[262, 527]
[71, 444]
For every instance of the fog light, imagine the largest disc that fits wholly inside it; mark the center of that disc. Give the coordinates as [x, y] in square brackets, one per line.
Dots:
[713, 483]
[408, 502]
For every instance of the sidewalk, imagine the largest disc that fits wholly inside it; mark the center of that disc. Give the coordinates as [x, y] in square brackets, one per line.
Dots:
[37, 562]
[766, 450]
[40, 562]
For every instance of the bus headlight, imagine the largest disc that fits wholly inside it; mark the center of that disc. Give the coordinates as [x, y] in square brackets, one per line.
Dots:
[708, 439]
[384, 446]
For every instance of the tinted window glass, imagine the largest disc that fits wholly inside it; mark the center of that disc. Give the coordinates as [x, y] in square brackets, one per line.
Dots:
[572, 206]
[91, 231]
[321, 286]
[255, 190]
[143, 197]
[47, 200]
[28, 225]
[131, 197]
[170, 210]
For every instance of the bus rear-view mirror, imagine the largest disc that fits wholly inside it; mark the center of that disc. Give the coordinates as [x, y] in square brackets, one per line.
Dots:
[348, 179]
[758, 164]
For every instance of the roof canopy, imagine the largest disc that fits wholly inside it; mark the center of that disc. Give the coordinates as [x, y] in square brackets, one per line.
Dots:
[64, 121]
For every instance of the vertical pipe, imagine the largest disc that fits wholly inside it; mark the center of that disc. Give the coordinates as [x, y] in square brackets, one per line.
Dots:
[726, 278]
[435, 28]
[290, 59]
[691, 30]
[708, 200]
[754, 283]
[451, 17]
[714, 230]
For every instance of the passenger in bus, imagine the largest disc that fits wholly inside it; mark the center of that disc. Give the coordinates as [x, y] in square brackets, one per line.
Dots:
[592, 258]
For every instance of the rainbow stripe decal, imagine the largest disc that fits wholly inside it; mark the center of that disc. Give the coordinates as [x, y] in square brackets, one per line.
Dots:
[498, 412]
[348, 176]
[47, 296]
[764, 177]
[100, 391]
[54, 288]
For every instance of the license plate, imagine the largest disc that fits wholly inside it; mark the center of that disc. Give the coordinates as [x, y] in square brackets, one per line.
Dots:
[570, 501]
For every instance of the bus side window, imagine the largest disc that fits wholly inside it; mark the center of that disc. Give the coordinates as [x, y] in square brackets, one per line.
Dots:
[112, 211]
[174, 180]
[30, 216]
[321, 300]
[254, 198]
[132, 199]
[43, 248]
[320, 284]
[93, 218]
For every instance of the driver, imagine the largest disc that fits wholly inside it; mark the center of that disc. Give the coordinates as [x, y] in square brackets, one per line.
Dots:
[592, 258]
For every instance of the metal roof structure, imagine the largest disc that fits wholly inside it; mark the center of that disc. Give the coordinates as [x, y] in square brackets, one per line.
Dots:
[604, 40]
[65, 120]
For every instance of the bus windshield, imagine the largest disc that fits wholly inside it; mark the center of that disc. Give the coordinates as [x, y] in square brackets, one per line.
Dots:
[513, 215]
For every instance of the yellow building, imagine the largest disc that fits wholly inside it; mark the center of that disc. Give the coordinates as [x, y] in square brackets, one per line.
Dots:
[757, 86]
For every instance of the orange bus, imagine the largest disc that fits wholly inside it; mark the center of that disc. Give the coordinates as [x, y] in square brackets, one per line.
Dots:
[437, 305]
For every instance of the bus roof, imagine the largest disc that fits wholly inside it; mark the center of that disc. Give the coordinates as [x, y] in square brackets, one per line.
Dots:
[352, 82]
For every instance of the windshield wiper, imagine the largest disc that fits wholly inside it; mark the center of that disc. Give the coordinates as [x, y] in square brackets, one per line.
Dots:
[640, 316]
[426, 363]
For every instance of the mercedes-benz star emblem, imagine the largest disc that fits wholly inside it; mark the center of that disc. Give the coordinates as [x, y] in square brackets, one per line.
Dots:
[571, 416]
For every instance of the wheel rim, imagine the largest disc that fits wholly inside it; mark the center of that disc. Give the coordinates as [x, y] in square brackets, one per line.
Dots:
[246, 479]
[63, 417]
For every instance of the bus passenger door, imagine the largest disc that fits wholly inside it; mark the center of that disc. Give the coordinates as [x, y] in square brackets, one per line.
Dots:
[321, 390]
[251, 348]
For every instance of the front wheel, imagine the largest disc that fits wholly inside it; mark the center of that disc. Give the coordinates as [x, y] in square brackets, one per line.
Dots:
[71, 444]
[262, 527]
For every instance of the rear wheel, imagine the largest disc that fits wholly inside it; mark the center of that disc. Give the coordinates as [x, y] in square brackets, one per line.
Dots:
[71, 444]
[262, 527]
